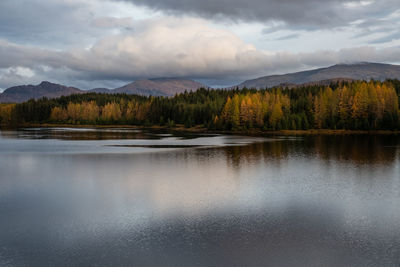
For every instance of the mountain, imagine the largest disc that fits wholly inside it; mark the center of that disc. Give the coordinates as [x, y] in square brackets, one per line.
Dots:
[159, 87]
[100, 91]
[45, 89]
[155, 87]
[319, 83]
[359, 71]
[172, 86]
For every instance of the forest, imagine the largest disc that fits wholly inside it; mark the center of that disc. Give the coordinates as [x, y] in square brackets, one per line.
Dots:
[359, 105]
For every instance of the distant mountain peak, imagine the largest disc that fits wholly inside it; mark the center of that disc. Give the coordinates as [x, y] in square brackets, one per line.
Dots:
[359, 63]
[47, 83]
[156, 87]
[44, 89]
[354, 71]
[159, 86]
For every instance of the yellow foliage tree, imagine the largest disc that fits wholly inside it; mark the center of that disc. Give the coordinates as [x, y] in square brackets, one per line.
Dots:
[58, 114]
[6, 113]
[74, 111]
[111, 112]
[276, 114]
[90, 111]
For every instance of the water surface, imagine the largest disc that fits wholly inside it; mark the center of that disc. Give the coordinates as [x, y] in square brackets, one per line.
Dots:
[124, 197]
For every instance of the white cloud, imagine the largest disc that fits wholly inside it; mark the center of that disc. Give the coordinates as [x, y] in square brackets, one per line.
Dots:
[15, 76]
[356, 4]
[168, 47]
[171, 47]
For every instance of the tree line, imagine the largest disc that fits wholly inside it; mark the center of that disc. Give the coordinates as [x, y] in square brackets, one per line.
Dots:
[357, 105]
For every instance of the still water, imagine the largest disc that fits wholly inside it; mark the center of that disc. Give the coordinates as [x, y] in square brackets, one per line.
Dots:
[108, 197]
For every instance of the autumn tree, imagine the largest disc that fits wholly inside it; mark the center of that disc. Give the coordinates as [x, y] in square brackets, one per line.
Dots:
[344, 106]
[58, 114]
[7, 112]
[246, 112]
[111, 112]
[90, 112]
[74, 111]
[276, 114]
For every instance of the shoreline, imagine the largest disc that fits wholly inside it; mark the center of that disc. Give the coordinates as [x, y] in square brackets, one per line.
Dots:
[199, 129]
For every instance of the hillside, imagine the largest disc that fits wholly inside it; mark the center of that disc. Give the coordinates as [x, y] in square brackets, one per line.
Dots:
[45, 89]
[154, 87]
[359, 71]
[159, 87]
[172, 86]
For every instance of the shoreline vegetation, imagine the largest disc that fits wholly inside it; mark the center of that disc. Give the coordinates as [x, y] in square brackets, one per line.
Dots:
[357, 107]
[202, 130]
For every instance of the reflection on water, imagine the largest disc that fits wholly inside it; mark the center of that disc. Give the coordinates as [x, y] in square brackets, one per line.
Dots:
[90, 134]
[357, 149]
[129, 197]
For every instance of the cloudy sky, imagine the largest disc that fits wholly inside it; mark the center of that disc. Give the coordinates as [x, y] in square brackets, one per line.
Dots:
[107, 43]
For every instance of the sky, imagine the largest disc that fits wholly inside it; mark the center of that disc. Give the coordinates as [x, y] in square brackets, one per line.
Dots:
[108, 43]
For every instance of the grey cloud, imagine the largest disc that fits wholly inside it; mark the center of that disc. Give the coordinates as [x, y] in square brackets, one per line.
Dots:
[86, 69]
[169, 46]
[44, 22]
[112, 22]
[312, 14]
[58, 23]
[368, 28]
[386, 38]
[287, 37]
[274, 28]
[11, 77]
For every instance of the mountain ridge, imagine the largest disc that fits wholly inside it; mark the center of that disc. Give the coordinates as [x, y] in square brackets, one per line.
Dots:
[147, 87]
[159, 86]
[172, 86]
[44, 89]
[356, 71]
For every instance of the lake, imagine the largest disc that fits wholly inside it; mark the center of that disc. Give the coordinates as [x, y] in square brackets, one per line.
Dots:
[126, 197]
